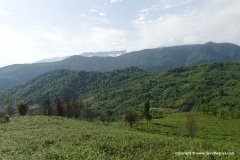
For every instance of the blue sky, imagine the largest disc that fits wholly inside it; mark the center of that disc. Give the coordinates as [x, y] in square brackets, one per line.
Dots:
[31, 30]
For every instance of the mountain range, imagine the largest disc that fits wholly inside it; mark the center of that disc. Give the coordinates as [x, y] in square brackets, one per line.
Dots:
[86, 54]
[183, 88]
[152, 60]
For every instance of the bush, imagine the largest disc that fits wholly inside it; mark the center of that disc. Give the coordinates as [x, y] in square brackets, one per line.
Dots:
[7, 118]
[22, 108]
[223, 113]
[191, 124]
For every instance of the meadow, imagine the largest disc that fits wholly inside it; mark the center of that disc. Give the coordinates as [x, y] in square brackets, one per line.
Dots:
[42, 137]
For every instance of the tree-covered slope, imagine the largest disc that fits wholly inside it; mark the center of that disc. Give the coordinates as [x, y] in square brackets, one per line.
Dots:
[184, 88]
[72, 83]
[153, 60]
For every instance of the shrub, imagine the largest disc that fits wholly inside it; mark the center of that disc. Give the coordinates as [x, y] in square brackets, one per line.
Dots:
[22, 108]
[7, 118]
[191, 124]
[223, 113]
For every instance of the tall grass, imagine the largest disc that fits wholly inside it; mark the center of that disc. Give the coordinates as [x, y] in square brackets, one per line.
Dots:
[40, 137]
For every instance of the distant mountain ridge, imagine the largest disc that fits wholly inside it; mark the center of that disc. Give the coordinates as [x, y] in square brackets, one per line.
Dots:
[104, 54]
[152, 60]
[54, 59]
[86, 54]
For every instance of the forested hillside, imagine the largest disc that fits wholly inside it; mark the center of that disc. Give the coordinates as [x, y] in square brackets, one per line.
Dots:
[202, 87]
[153, 60]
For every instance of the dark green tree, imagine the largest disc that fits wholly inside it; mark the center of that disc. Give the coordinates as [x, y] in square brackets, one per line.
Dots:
[191, 124]
[146, 110]
[59, 108]
[77, 105]
[130, 116]
[47, 108]
[88, 114]
[69, 104]
[9, 109]
[22, 108]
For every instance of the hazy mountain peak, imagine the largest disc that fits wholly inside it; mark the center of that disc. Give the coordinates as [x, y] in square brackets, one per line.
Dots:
[104, 54]
[54, 59]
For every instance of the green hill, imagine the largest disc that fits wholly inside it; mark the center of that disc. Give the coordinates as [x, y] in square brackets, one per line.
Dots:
[153, 60]
[202, 87]
[39, 137]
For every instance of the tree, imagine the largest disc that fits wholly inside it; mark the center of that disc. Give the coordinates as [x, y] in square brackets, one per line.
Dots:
[59, 108]
[88, 114]
[205, 109]
[146, 112]
[9, 109]
[77, 107]
[130, 116]
[105, 117]
[191, 125]
[22, 108]
[69, 110]
[47, 109]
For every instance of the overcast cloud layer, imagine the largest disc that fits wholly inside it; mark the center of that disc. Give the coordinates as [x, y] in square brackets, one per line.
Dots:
[33, 30]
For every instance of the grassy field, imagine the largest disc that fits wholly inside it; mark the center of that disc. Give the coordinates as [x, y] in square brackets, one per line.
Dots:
[39, 137]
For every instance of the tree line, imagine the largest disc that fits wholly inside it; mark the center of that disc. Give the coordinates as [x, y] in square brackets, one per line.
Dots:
[70, 107]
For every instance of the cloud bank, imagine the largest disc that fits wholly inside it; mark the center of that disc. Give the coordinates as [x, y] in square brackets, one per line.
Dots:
[164, 23]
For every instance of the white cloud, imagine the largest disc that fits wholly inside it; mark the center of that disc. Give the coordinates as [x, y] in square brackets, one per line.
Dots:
[16, 47]
[167, 23]
[102, 14]
[83, 15]
[212, 21]
[140, 20]
[93, 10]
[107, 38]
[5, 13]
[99, 20]
[115, 1]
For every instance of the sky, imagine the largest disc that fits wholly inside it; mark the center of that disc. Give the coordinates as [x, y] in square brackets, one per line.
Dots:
[31, 30]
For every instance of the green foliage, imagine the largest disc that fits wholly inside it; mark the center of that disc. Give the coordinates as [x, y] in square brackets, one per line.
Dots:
[236, 113]
[88, 114]
[9, 109]
[22, 108]
[34, 137]
[75, 107]
[181, 88]
[131, 117]
[59, 108]
[7, 118]
[223, 113]
[210, 128]
[146, 110]
[191, 124]
[46, 106]
[214, 110]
